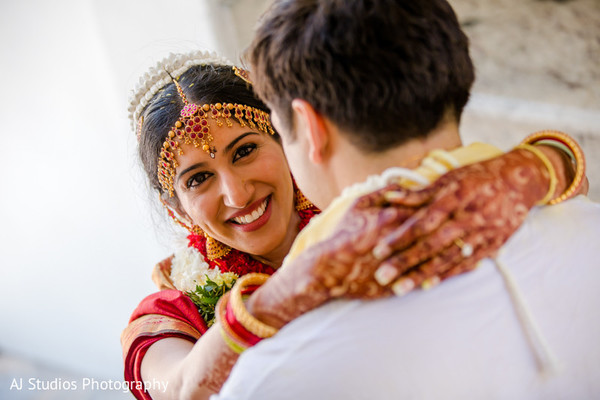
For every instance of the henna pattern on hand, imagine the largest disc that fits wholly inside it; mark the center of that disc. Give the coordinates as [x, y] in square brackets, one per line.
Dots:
[482, 204]
[412, 234]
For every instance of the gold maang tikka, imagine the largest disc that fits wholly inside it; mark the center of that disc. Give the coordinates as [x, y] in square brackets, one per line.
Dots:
[193, 128]
[243, 74]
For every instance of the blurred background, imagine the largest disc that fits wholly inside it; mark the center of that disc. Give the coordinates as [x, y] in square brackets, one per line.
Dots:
[78, 232]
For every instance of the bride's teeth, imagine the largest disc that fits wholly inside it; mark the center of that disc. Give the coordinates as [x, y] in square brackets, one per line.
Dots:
[256, 214]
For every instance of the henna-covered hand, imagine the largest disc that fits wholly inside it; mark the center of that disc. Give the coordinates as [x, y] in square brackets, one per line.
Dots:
[342, 266]
[422, 237]
[467, 215]
[396, 239]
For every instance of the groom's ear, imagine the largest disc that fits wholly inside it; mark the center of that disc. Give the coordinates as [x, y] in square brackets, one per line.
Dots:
[313, 130]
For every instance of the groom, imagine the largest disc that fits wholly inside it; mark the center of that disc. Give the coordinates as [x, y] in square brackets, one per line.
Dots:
[357, 88]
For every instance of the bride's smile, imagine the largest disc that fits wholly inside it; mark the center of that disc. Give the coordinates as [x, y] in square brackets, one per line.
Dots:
[254, 216]
[238, 197]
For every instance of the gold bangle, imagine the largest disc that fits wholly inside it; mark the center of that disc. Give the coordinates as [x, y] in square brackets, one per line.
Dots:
[569, 142]
[549, 167]
[240, 312]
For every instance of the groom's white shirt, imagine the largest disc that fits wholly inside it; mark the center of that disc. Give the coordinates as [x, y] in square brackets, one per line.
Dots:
[530, 332]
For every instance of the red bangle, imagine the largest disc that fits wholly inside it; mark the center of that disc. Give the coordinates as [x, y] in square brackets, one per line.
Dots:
[238, 329]
[235, 335]
[233, 341]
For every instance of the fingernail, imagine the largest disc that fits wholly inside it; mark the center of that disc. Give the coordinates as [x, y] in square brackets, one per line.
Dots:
[431, 282]
[403, 286]
[385, 274]
[382, 251]
[394, 196]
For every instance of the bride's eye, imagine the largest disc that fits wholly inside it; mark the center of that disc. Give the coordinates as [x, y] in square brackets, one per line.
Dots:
[244, 151]
[197, 179]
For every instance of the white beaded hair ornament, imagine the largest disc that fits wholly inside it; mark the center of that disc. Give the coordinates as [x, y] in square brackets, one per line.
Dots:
[193, 126]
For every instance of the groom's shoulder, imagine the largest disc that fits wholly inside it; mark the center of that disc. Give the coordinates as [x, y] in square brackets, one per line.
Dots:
[571, 219]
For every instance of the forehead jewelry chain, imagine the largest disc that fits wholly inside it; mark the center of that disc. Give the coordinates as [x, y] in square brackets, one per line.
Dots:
[193, 128]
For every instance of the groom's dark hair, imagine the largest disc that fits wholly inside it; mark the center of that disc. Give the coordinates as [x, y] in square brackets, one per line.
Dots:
[385, 71]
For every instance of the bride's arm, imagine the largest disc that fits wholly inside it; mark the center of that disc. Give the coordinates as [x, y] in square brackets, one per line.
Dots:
[189, 370]
[189, 361]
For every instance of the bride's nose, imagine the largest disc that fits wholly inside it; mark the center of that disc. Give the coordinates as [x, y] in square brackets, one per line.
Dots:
[236, 190]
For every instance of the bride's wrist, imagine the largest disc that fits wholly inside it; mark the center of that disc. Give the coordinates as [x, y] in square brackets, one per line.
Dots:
[285, 296]
[567, 163]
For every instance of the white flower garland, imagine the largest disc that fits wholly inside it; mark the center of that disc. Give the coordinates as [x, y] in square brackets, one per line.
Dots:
[189, 269]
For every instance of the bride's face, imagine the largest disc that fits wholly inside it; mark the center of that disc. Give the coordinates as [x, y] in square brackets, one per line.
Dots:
[244, 196]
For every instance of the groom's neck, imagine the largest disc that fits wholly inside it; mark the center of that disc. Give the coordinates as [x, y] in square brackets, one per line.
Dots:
[350, 165]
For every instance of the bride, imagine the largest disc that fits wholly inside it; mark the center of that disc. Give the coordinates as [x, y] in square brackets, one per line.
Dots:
[209, 150]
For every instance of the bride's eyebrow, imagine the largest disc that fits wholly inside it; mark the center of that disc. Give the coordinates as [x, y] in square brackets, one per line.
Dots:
[190, 168]
[228, 148]
[237, 139]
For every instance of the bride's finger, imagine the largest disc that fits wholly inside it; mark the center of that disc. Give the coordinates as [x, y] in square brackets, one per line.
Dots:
[400, 196]
[460, 256]
[427, 247]
[423, 222]
[427, 274]
[486, 245]
[378, 197]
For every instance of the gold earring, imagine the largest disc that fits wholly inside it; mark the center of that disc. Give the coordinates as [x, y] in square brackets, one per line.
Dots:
[302, 203]
[197, 230]
[215, 249]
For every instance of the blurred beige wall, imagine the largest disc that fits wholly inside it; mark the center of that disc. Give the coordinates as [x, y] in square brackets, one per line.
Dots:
[538, 68]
